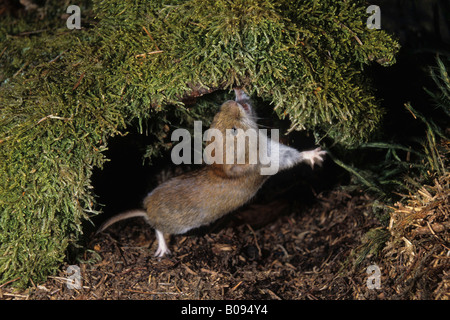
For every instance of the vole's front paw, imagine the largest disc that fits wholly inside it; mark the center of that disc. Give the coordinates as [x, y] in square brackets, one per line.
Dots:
[314, 156]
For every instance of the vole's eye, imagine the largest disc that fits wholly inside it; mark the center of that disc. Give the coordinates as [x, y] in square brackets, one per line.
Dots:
[234, 131]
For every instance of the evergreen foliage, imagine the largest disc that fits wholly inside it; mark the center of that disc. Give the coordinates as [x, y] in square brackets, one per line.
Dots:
[399, 167]
[64, 93]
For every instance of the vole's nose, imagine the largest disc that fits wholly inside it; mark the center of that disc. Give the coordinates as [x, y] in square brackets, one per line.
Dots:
[240, 94]
[243, 99]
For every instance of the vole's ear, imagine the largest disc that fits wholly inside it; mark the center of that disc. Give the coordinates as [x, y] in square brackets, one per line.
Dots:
[243, 99]
[237, 170]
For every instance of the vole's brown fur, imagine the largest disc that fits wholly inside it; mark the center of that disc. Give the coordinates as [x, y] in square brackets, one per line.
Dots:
[200, 197]
[221, 194]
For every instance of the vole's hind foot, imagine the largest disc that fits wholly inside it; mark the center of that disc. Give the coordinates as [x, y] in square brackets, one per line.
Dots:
[313, 156]
[162, 246]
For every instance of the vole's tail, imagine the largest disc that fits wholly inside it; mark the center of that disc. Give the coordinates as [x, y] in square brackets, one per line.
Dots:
[123, 216]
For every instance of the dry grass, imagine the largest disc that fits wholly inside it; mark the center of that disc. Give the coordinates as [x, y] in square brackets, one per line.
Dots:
[419, 250]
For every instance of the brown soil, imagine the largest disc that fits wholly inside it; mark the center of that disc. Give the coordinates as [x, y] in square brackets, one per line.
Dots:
[259, 252]
[282, 246]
